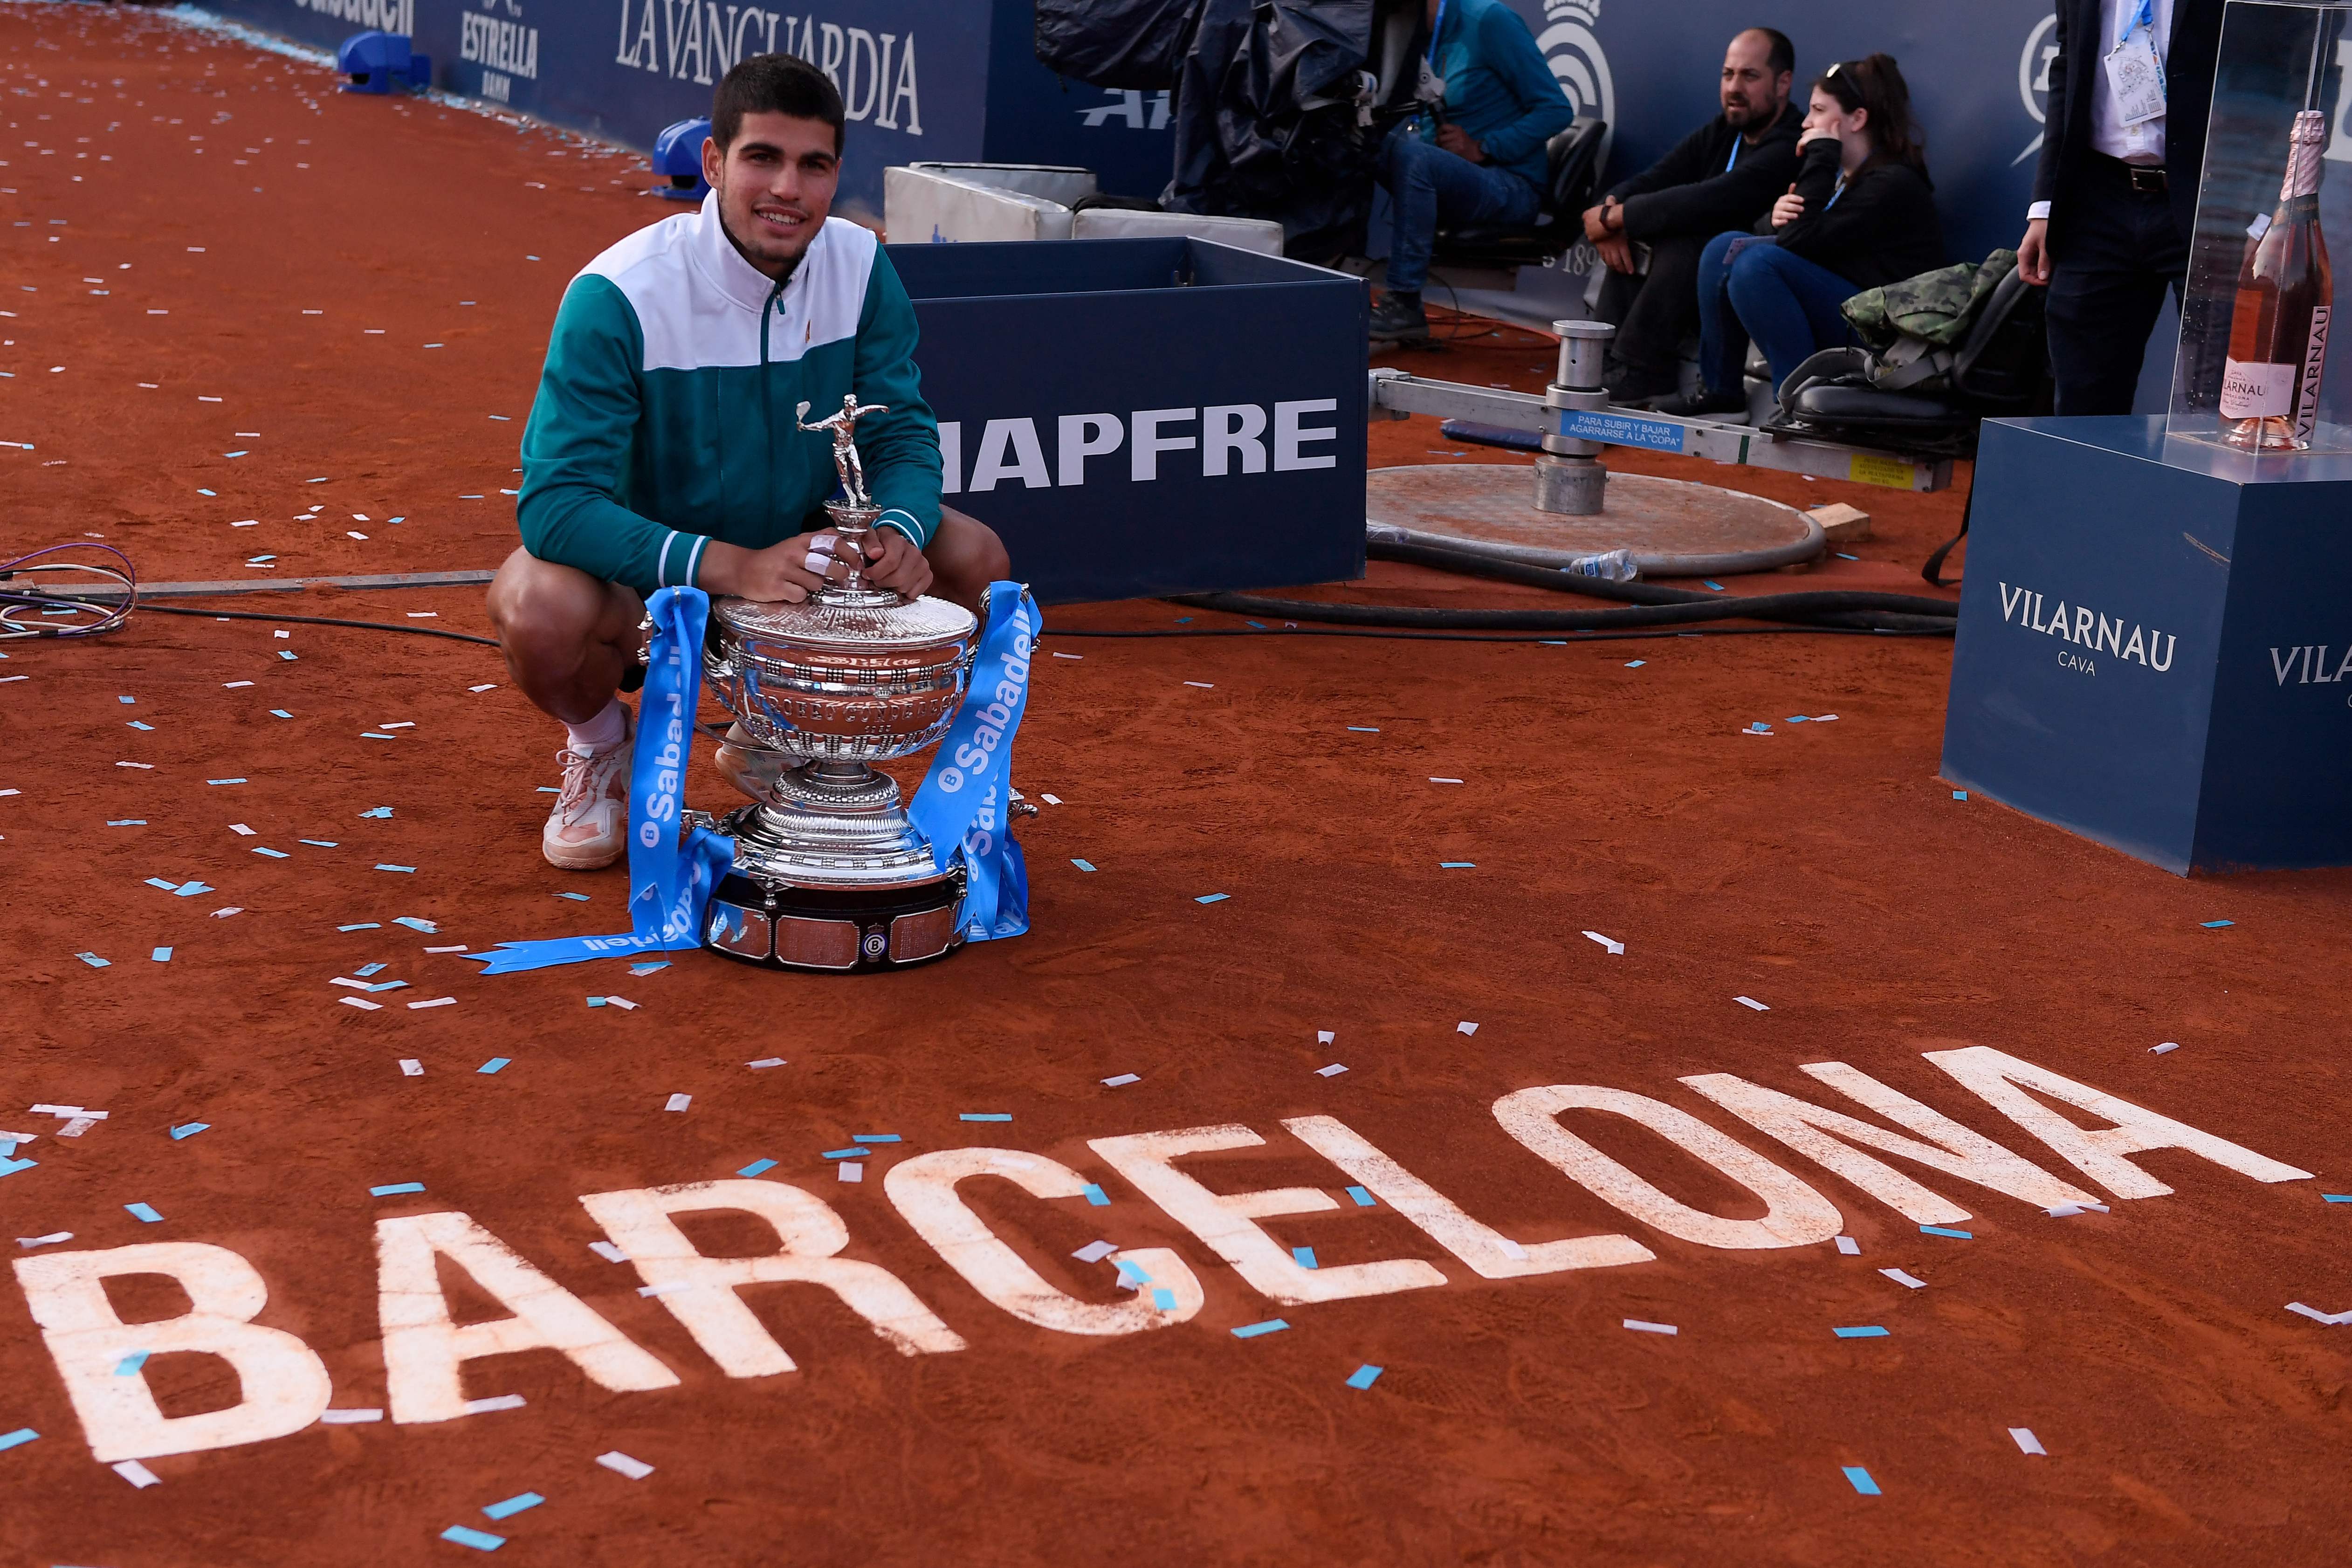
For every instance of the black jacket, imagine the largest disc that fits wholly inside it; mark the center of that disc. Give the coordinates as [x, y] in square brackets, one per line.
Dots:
[1884, 227]
[2189, 63]
[1689, 191]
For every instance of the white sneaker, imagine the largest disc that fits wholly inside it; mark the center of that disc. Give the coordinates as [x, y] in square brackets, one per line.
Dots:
[588, 829]
[750, 767]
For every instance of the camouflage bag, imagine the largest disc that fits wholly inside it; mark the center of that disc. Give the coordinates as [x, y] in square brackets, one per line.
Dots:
[1913, 326]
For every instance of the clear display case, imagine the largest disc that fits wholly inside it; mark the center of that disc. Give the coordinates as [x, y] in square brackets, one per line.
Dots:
[2253, 373]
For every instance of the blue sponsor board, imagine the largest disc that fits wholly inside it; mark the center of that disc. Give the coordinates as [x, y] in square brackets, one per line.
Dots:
[1142, 416]
[2154, 648]
[1621, 430]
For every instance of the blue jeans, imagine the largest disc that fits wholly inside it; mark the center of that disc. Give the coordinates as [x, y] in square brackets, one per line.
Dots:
[1750, 287]
[1427, 185]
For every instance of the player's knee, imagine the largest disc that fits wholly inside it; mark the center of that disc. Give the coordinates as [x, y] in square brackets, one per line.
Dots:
[540, 610]
[968, 550]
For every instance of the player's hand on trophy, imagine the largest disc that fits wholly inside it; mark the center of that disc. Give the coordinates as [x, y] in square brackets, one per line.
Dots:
[787, 573]
[894, 561]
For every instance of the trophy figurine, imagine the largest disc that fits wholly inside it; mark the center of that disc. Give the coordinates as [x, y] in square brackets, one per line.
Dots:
[828, 873]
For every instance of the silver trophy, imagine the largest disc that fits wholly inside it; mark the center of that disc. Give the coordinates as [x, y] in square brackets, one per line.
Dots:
[828, 873]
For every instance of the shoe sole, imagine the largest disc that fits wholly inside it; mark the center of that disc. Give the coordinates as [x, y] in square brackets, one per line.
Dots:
[582, 859]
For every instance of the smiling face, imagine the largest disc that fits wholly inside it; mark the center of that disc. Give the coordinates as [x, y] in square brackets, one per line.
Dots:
[775, 183]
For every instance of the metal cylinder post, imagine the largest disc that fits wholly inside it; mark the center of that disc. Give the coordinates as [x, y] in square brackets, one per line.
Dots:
[1569, 478]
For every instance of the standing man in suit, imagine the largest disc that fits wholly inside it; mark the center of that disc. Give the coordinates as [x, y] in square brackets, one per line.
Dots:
[2115, 199]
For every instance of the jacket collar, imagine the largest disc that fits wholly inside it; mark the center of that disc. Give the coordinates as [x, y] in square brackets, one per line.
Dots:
[723, 266]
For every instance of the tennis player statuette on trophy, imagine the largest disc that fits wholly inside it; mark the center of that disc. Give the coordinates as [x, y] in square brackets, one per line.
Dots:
[828, 873]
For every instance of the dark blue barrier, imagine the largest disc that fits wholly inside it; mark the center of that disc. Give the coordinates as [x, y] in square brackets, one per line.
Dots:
[1246, 470]
[957, 80]
[2144, 651]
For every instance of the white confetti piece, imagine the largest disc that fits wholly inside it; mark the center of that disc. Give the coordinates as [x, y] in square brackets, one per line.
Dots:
[766, 1062]
[1615, 948]
[411, 1067]
[851, 1171]
[1334, 1070]
[1051, 799]
[608, 1252]
[1122, 1079]
[1750, 1001]
[2027, 1442]
[1510, 1249]
[622, 1002]
[1849, 1246]
[669, 1288]
[1204, 685]
[1902, 1278]
[2067, 1211]
[679, 1102]
[2316, 1316]
[1435, 779]
[636, 1469]
[2162, 1050]
[1640, 1327]
[349, 1417]
[1095, 1251]
[51, 1239]
[1325, 1036]
[240, 829]
[1465, 1027]
[497, 1402]
[137, 1474]
[437, 1002]
[363, 1003]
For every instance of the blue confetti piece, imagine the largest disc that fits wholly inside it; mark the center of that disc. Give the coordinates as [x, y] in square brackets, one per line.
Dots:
[1362, 730]
[852, 1152]
[1843, 556]
[127, 701]
[2216, 925]
[1163, 1298]
[131, 1363]
[1259, 625]
[1181, 620]
[479, 1539]
[1364, 1200]
[363, 925]
[1941, 1230]
[10, 1167]
[380, 867]
[985, 1116]
[1365, 1375]
[1861, 1479]
[142, 1212]
[493, 1064]
[1959, 794]
[649, 968]
[281, 712]
[595, 1001]
[1457, 865]
[319, 843]
[575, 898]
[189, 1130]
[223, 781]
[1712, 584]
[189, 890]
[1796, 719]
[1096, 1197]
[395, 1189]
[1304, 1256]
[1211, 898]
[377, 811]
[413, 923]
[286, 655]
[515, 1504]
[1133, 1272]
[160, 882]
[366, 969]
[94, 960]
[2337, 1197]
[1081, 865]
[273, 854]
[1252, 1330]
[1869, 1332]
[757, 1168]
[128, 822]
[20, 1436]
[205, 493]
[1637, 664]
[137, 725]
[161, 955]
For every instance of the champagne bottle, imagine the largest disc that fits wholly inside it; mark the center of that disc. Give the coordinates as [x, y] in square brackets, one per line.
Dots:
[2278, 330]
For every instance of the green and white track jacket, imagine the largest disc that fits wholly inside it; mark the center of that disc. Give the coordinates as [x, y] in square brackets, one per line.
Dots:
[666, 415]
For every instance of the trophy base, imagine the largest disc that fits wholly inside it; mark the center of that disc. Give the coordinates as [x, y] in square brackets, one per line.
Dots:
[829, 876]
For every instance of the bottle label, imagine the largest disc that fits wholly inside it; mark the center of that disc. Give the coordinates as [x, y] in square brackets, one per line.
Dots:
[2315, 360]
[2253, 390]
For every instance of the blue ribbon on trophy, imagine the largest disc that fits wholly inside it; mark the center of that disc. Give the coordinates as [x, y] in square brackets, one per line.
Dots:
[962, 801]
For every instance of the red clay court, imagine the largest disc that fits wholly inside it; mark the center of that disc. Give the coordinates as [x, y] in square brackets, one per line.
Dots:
[219, 254]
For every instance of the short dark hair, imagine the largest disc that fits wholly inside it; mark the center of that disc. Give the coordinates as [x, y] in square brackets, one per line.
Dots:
[1779, 54]
[774, 84]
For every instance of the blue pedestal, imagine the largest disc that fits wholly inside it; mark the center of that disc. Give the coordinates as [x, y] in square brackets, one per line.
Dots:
[2155, 644]
[1145, 416]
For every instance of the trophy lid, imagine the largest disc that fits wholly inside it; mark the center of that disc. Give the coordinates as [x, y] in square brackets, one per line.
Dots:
[865, 623]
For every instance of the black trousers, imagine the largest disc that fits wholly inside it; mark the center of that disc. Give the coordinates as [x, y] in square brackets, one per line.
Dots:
[1655, 312]
[2120, 251]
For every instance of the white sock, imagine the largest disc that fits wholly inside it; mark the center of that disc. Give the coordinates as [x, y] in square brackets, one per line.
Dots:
[602, 732]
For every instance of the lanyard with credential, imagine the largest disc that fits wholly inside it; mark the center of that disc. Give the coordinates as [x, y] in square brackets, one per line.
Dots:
[2143, 17]
[1728, 162]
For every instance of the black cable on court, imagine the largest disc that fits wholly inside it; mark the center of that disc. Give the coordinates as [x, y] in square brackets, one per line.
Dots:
[1649, 605]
